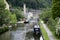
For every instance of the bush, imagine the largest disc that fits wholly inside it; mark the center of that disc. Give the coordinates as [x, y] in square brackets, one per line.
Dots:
[58, 27]
[56, 8]
[51, 24]
[19, 14]
[13, 18]
[46, 14]
[2, 4]
[4, 17]
[58, 31]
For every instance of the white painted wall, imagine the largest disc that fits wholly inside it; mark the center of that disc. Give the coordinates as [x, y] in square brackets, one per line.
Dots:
[30, 14]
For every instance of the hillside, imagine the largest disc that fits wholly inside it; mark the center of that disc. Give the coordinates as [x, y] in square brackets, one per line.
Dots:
[35, 4]
[46, 3]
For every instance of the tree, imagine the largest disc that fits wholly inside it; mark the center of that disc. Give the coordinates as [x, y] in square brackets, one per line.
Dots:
[4, 17]
[13, 18]
[2, 4]
[2, 7]
[34, 4]
[19, 14]
[56, 8]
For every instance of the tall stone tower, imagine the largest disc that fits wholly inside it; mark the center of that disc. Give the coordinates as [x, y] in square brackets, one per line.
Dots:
[24, 10]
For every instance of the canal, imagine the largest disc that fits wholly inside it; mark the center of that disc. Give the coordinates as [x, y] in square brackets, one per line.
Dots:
[22, 32]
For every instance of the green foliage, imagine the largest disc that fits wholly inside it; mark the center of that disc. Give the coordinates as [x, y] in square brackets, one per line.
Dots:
[2, 30]
[35, 4]
[4, 17]
[4, 14]
[51, 24]
[19, 14]
[47, 17]
[13, 18]
[2, 4]
[55, 14]
[56, 8]
[58, 27]
[58, 30]
[46, 14]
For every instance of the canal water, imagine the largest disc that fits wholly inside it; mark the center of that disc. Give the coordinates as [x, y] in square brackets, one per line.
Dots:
[22, 32]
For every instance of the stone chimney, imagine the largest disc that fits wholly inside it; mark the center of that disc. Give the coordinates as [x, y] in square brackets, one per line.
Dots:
[24, 10]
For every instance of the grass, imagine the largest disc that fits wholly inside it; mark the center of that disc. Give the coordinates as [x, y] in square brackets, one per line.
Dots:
[53, 31]
[44, 33]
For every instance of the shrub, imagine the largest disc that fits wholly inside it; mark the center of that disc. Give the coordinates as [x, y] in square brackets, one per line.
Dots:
[13, 19]
[46, 14]
[58, 31]
[56, 8]
[4, 17]
[58, 27]
[51, 24]
[18, 13]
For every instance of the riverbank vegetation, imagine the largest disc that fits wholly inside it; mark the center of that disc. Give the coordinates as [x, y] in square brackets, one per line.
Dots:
[7, 17]
[44, 33]
[51, 17]
[3, 29]
[18, 12]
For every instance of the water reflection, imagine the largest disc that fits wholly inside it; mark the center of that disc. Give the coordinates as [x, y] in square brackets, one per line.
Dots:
[5, 36]
[20, 33]
[29, 35]
[16, 34]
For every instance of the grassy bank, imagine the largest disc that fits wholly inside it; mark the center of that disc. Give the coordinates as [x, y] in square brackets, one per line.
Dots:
[43, 32]
[46, 16]
[2, 30]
